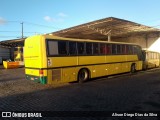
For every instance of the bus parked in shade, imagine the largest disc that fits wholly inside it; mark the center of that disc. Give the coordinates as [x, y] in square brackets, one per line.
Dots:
[151, 59]
[51, 59]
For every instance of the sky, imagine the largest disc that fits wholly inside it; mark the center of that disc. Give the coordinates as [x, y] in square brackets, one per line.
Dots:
[46, 16]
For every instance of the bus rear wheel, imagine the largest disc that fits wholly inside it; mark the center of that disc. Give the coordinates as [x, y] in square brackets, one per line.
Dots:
[83, 75]
[133, 68]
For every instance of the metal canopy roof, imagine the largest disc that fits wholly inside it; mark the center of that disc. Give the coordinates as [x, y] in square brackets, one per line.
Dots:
[13, 43]
[100, 29]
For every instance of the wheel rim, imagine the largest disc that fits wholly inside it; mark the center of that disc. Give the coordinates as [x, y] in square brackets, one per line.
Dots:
[83, 75]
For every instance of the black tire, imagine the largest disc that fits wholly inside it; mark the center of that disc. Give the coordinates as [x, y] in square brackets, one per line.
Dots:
[83, 75]
[133, 68]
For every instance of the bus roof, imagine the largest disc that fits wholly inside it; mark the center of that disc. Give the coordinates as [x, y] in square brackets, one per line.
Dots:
[84, 40]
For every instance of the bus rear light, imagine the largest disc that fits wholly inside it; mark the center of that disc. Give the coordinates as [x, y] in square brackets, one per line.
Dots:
[40, 72]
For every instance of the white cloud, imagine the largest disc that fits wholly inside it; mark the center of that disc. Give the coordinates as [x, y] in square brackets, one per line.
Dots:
[49, 19]
[2, 21]
[61, 14]
[60, 17]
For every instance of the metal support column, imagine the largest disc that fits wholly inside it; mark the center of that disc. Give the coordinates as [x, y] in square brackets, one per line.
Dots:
[109, 37]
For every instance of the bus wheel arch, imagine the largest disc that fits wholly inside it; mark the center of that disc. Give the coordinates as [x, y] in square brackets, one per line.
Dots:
[83, 75]
[133, 68]
[145, 67]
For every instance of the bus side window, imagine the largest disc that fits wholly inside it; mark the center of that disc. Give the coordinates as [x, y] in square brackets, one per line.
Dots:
[108, 49]
[131, 49]
[114, 49]
[123, 49]
[146, 57]
[157, 56]
[137, 50]
[95, 49]
[119, 49]
[102, 49]
[72, 48]
[127, 49]
[89, 48]
[149, 55]
[154, 55]
[134, 49]
[52, 47]
[62, 47]
[81, 50]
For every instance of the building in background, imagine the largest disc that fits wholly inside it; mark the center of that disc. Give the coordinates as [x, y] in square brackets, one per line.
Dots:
[11, 50]
[5, 54]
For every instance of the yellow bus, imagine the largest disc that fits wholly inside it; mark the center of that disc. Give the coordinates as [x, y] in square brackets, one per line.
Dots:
[51, 59]
[151, 59]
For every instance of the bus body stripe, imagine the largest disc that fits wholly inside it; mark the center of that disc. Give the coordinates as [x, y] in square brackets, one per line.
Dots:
[81, 65]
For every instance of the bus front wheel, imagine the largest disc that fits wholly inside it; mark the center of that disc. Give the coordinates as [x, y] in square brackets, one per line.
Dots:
[83, 75]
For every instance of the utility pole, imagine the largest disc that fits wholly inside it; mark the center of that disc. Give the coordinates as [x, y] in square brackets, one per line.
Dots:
[22, 30]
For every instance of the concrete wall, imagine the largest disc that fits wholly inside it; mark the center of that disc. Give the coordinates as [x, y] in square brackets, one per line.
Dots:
[146, 40]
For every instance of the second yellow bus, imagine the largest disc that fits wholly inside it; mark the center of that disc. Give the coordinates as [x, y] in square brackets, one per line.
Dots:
[151, 59]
